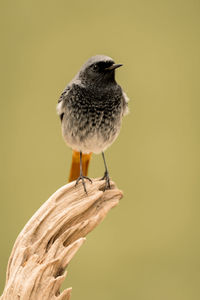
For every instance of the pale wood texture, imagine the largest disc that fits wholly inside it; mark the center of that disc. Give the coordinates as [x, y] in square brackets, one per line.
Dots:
[44, 248]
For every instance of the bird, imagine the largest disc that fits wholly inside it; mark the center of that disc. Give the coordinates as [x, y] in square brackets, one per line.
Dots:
[91, 109]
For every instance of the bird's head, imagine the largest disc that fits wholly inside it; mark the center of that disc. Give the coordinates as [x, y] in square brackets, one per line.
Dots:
[98, 70]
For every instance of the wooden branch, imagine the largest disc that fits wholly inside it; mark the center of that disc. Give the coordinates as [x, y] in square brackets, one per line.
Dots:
[44, 248]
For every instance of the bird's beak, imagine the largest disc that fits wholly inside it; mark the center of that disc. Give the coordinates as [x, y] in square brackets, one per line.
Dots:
[113, 67]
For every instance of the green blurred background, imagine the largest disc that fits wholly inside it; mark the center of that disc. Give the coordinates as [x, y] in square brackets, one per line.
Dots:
[148, 247]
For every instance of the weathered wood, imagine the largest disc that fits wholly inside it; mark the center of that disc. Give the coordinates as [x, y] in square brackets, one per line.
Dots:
[44, 248]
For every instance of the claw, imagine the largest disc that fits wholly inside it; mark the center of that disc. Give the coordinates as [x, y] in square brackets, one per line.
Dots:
[107, 179]
[81, 177]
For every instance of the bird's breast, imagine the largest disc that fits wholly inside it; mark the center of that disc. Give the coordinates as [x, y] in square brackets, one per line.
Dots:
[92, 120]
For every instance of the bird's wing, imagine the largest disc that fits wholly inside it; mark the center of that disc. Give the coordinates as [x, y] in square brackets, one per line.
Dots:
[61, 101]
[65, 95]
[125, 101]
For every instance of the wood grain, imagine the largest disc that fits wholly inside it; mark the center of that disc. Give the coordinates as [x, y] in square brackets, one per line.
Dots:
[46, 245]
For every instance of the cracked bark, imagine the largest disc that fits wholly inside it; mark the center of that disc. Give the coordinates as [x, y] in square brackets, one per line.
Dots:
[46, 245]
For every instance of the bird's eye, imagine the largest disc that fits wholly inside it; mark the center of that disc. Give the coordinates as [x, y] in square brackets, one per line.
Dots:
[95, 67]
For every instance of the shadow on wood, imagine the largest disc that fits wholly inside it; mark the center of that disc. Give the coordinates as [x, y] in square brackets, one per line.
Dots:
[44, 248]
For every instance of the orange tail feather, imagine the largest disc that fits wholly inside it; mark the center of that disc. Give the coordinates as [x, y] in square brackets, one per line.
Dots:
[75, 165]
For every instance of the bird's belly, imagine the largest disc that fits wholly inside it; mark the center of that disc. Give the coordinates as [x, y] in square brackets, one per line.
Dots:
[90, 138]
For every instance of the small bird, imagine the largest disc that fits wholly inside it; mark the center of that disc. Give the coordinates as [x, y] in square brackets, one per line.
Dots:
[91, 108]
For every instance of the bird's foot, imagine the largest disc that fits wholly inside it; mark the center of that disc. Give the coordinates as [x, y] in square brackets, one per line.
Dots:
[107, 179]
[81, 177]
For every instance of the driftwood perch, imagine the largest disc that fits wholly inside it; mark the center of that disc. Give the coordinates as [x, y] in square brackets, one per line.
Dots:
[44, 248]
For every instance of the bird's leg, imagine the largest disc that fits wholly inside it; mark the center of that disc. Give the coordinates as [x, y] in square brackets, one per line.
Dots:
[106, 174]
[81, 177]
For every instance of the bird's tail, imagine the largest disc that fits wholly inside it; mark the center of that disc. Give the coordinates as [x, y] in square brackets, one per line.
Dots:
[75, 165]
